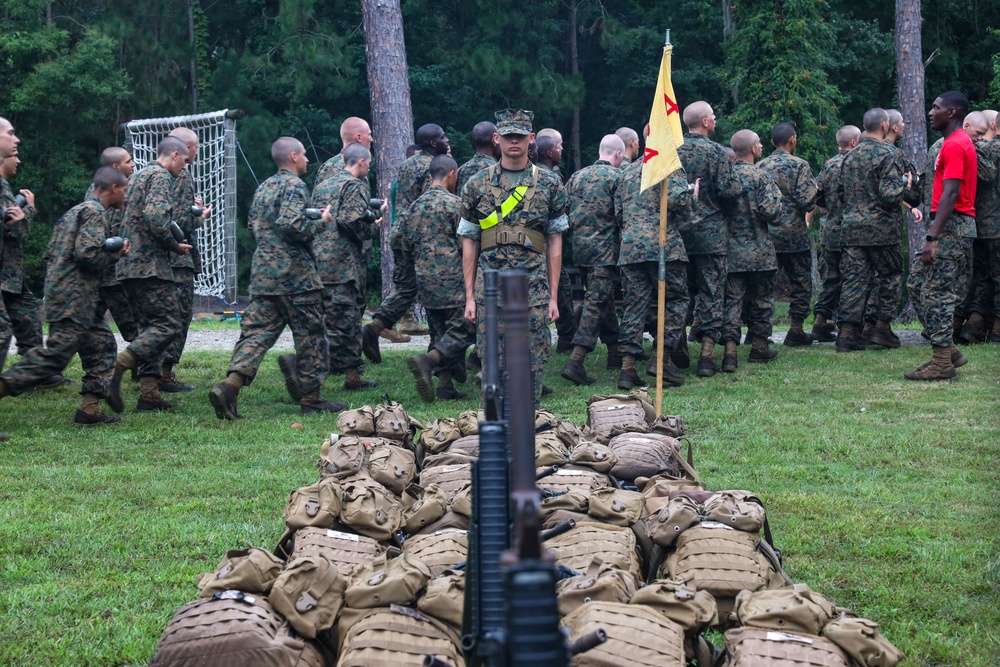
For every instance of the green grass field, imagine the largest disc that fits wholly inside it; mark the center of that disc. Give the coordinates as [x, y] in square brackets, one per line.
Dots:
[883, 494]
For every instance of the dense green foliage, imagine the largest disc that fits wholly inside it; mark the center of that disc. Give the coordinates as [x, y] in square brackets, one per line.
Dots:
[74, 71]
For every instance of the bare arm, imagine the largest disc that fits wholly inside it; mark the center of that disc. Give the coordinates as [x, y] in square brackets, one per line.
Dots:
[470, 260]
[553, 261]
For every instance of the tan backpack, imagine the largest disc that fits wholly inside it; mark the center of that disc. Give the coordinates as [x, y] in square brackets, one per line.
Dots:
[342, 548]
[249, 570]
[593, 455]
[740, 509]
[644, 455]
[359, 421]
[341, 456]
[314, 505]
[656, 491]
[612, 545]
[468, 422]
[438, 435]
[750, 647]
[546, 421]
[671, 425]
[795, 609]
[681, 602]
[392, 422]
[550, 450]
[309, 594]
[637, 636]
[430, 507]
[391, 466]
[369, 508]
[444, 598]
[860, 639]
[450, 478]
[232, 629]
[574, 479]
[397, 636]
[467, 444]
[461, 502]
[450, 521]
[679, 514]
[573, 501]
[606, 413]
[616, 506]
[387, 581]
[440, 550]
[600, 582]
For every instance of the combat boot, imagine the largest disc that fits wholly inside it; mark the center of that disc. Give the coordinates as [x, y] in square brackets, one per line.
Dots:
[369, 340]
[126, 360]
[760, 351]
[409, 325]
[289, 365]
[866, 332]
[575, 371]
[823, 330]
[394, 336]
[474, 362]
[729, 360]
[90, 414]
[446, 391]
[353, 380]
[459, 371]
[629, 378]
[956, 330]
[796, 336]
[313, 402]
[670, 375]
[169, 384]
[546, 389]
[940, 367]
[974, 330]
[680, 354]
[706, 360]
[422, 368]
[848, 339]
[883, 335]
[957, 358]
[149, 396]
[223, 397]
[994, 335]
[614, 358]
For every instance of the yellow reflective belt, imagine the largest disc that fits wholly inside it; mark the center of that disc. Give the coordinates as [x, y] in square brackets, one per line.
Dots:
[509, 205]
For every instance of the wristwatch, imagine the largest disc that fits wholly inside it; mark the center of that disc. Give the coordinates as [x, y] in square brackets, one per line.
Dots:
[931, 239]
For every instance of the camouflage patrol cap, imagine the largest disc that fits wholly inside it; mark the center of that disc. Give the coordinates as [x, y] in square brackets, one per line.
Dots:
[514, 121]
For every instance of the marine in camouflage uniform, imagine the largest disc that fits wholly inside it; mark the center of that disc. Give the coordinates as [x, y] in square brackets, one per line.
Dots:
[285, 287]
[429, 231]
[751, 260]
[638, 260]
[983, 301]
[23, 307]
[412, 180]
[590, 196]
[112, 293]
[705, 232]
[475, 165]
[528, 237]
[791, 239]
[939, 277]
[8, 148]
[76, 265]
[338, 249]
[147, 275]
[873, 189]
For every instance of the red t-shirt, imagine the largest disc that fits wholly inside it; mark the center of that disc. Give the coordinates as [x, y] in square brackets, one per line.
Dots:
[957, 159]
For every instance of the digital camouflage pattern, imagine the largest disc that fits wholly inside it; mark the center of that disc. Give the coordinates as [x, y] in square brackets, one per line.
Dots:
[283, 262]
[988, 191]
[872, 187]
[184, 281]
[413, 179]
[830, 200]
[828, 301]
[871, 280]
[599, 317]
[184, 194]
[794, 178]
[451, 335]
[639, 214]
[331, 167]
[337, 245]
[76, 265]
[751, 292]
[984, 292]
[475, 165]
[25, 313]
[757, 206]
[704, 228]
[428, 229]
[640, 284]
[404, 284]
[590, 197]
[149, 208]
[539, 342]
[928, 179]
[12, 248]
[157, 315]
[938, 289]
[344, 305]
[566, 324]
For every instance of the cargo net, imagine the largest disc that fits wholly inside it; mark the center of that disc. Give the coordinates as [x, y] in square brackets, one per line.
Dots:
[214, 174]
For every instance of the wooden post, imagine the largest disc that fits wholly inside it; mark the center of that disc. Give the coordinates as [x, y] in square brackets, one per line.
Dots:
[661, 297]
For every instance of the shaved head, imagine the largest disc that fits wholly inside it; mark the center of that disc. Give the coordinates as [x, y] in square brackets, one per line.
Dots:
[482, 135]
[697, 112]
[8, 140]
[991, 116]
[113, 155]
[549, 132]
[170, 145]
[186, 135]
[356, 130]
[895, 118]
[848, 136]
[743, 142]
[976, 125]
[282, 149]
[612, 149]
[105, 177]
[626, 134]
[874, 118]
[355, 153]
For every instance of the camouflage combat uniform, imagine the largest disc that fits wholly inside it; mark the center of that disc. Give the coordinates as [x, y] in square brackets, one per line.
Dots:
[543, 213]
[429, 232]
[23, 307]
[413, 179]
[639, 256]
[828, 198]
[791, 238]
[338, 251]
[146, 272]
[76, 267]
[590, 196]
[331, 167]
[567, 323]
[475, 165]
[704, 230]
[284, 283]
[113, 296]
[984, 291]
[751, 260]
[873, 189]
[186, 267]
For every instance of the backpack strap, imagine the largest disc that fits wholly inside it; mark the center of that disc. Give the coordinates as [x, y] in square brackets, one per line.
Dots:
[493, 234]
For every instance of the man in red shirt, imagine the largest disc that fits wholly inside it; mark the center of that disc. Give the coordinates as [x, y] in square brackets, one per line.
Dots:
[940, 275]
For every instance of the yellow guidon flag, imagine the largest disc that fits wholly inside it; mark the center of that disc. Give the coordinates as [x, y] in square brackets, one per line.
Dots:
[660, 157]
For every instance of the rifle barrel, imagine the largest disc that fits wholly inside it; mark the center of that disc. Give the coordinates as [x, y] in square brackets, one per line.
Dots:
[588, 641]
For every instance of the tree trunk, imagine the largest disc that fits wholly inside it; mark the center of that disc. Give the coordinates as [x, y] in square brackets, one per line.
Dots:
[574, 63]
[392, 115]
[194, 57]
[728, 28]
[910, 90]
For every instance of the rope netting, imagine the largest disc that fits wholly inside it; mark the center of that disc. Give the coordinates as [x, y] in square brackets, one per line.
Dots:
[214, 174]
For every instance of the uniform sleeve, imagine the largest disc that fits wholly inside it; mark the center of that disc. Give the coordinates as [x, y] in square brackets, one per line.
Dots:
[680, 199]
[468, 226]
[890, 183]
[90, 236]
[558, 220]
[805, 189]
[768, 200]
[352, 211]
[727, 184]
[292, 222]
[158, 208]
[987, 167]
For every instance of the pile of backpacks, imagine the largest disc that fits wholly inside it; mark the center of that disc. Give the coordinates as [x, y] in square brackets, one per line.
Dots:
[370, 571]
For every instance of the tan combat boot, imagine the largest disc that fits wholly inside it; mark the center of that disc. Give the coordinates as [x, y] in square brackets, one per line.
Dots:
[940, 367]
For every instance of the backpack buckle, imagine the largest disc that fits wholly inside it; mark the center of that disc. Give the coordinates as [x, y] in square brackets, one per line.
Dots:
[305, 602]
